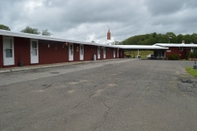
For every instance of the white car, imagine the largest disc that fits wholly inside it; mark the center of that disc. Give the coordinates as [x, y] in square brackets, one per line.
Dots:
[149, 56]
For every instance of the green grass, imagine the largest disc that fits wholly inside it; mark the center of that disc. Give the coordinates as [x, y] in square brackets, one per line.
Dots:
[141, 52]
[191, 71]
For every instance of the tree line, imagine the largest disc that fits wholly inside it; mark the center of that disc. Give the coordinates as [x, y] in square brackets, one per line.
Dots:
[145, 39]
[152, 38]
[28, 30]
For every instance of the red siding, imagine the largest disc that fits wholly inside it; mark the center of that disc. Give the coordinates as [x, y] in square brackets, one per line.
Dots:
[177, 51]
[52, 52]
[57, 52]
[109, 53]
[101, 53]
[89, 52]
[1, 51]
[121, 53]
[76, 52]
[22, 50]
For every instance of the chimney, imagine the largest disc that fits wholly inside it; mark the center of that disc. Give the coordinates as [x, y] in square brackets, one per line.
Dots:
[183, 42]
[108, 35]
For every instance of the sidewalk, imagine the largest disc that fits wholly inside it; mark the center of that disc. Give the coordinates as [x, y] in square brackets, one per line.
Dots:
[30, 67]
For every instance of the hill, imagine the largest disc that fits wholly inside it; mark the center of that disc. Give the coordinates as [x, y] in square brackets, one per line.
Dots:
[152, 38]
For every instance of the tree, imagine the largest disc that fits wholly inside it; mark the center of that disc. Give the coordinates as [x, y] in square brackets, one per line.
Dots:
[179, 38]
[187, 38]
[171, 37]
[4, 27]
[116, 43]
[30, 30]
[154, 34]
[46, 32]
[194, 38]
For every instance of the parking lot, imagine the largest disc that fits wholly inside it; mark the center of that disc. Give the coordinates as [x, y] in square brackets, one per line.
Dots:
[116, 95]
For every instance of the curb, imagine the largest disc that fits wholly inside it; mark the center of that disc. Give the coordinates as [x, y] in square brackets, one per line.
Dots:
[50, 66]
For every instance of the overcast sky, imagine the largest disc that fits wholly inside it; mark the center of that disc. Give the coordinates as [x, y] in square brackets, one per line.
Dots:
[89, 20]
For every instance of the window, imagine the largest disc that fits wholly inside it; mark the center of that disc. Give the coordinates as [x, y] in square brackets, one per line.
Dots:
[34, 48]
[8, 48]
[8, 53]
[71, 49]
[34, 44]
[81, 49]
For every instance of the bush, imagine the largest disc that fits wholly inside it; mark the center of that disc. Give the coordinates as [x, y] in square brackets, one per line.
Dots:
[173, 57]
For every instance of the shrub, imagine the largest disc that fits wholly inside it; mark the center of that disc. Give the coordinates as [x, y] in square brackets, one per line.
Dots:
[173, 57]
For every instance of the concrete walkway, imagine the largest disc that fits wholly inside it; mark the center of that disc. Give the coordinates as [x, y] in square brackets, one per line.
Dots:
[29, 67]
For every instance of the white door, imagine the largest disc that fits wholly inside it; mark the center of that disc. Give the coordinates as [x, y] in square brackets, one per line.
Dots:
[98, 52]
[114, 52]
[71, 52]
[34, 51]
[81, 52]
[117, 53]
[8, 51]
[104, 53]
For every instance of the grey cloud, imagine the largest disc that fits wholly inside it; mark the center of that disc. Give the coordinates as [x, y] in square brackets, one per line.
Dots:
[167, 7]
[88, 19]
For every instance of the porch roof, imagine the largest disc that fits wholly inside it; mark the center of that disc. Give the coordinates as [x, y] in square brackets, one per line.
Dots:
[141, 47]
[192, 45]
[49, 38]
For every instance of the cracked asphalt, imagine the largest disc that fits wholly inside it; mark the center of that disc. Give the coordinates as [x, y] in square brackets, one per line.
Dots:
[119, 95]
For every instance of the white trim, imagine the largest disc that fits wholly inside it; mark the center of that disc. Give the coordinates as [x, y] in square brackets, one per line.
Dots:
[104, 53]
[114, 53]
[34, 59]
[40, 37]
[8, 61]
[98, 52]
[81, 52]
[175, 45]
[71, 52]
[117, 53]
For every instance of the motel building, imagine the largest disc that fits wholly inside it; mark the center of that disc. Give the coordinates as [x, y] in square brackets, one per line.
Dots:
[180, 49]
[22, 49]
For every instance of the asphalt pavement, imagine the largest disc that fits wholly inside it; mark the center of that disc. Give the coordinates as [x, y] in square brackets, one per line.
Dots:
[116, 95]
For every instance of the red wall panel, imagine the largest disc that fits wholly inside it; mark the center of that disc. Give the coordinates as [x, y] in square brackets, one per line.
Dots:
[1, 51]
[101, 53]
[121, 53]
[181, 53]
[89, 52]
[52, 52]
[76, 52]
[22, 50]
[109, 53]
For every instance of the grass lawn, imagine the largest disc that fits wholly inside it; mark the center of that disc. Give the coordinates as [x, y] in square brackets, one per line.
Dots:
[191, 71]
[143, 53]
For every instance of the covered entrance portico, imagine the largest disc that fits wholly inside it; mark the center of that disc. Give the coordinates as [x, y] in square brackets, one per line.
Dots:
[158, 52]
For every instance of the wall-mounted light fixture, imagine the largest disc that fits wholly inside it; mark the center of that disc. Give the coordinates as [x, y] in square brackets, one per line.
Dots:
[48, 45]
[64, 44]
